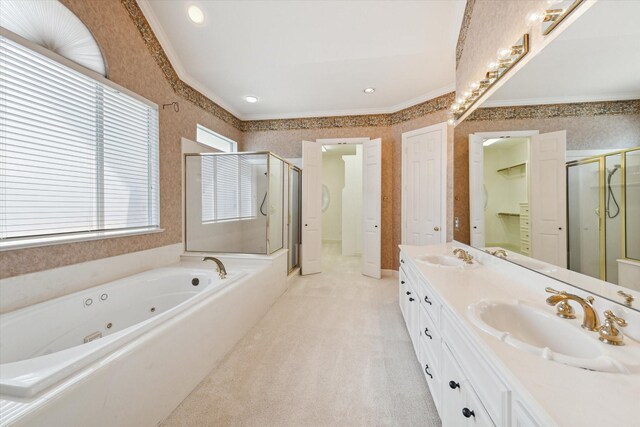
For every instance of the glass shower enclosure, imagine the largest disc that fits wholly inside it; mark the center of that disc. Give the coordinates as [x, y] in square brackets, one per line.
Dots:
[602, 212]
[240, 203]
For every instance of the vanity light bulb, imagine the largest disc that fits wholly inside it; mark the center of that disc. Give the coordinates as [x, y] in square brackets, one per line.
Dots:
[474, 86]
[460, 100]
[455, 107]
[504, 53]
[467, 94]
[493, 66]
[536, 17]
[451, 121]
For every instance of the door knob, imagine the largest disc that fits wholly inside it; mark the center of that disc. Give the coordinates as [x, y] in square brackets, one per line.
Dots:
[454, 385]
[475, 227]
[436, 228]
[375, 226]
[468, 413]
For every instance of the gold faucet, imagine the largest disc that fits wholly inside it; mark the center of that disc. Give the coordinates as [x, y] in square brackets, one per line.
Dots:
[590, 321]
[463, 255]
[628, 298]
[608, 332]
[222, 272]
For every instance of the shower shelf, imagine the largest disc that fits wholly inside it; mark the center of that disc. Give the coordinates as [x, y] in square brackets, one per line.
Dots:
[508, 214]
[519, 165]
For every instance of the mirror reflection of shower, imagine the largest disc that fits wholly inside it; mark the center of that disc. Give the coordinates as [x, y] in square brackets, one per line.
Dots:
[264, 199]
[610, 196]
[599, 244]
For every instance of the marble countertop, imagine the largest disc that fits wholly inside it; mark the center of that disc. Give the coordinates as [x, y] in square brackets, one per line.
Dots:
[570, 396]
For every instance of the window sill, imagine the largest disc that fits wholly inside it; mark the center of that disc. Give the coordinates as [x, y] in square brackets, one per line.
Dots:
[35, 242]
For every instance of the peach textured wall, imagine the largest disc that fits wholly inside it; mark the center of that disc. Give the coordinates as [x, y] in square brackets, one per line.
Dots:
[288, 144]
[494, 24]
[583, 132]
[131, 65]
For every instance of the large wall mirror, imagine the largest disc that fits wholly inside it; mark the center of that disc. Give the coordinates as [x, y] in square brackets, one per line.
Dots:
[548, 168]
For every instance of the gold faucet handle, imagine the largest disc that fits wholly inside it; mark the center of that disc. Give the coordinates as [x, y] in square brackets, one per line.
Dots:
[613, 318]
[609, 334]
[628, 298]
[553, 291]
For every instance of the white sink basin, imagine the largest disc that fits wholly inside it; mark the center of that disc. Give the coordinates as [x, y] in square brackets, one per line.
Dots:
[447, 261]
[534, 265]
[540, 332]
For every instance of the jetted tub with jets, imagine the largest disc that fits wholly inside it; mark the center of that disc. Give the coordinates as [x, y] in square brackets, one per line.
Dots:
[45, 343]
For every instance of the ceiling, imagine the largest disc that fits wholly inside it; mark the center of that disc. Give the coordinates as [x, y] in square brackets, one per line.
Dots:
[595, 59]
[305, 59]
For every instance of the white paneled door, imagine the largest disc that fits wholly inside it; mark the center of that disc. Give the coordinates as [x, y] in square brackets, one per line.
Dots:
[311, 247]
[548, 206]
[424, 151]
[476, 190]
[371, 207]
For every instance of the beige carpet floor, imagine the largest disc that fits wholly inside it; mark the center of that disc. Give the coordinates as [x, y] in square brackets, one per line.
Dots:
[332, 351]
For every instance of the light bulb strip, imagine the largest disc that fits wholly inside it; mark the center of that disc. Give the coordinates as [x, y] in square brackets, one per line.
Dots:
[497, 69]
[556, 16]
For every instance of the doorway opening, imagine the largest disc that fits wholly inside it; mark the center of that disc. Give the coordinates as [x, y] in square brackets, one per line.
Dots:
[342, 206]
[366, 198]
[506, 193]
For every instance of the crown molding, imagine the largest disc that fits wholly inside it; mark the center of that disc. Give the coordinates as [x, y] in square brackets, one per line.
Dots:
[562, 100]
[357, 112]
[547, 111]
[371, 120]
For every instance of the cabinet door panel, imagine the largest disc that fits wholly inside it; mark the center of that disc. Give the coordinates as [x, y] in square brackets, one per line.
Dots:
[473, 410]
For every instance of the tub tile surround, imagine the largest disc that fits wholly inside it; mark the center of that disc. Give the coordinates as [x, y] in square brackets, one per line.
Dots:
[142, 381]
[547, 387]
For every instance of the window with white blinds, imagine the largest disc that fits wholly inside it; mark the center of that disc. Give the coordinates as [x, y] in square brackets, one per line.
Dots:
[227, 188]
[77, 155]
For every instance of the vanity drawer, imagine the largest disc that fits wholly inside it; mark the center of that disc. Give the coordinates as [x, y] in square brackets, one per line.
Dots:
[432, 375]
[430, 337]
[493, 393]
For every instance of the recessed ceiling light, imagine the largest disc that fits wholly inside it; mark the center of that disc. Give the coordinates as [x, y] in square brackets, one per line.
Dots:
[251, 99]
[370, 90]
[195, 14]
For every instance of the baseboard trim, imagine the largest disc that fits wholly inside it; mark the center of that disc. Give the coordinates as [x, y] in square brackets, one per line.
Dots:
[389, 273]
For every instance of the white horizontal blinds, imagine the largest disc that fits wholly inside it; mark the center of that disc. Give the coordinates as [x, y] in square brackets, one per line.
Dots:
[208, 195]
[228, 184]
[247, 198]
[69, 146]
[130, 162]
[227, 175]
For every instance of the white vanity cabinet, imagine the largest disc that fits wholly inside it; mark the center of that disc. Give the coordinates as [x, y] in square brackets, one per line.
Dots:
[465, 387]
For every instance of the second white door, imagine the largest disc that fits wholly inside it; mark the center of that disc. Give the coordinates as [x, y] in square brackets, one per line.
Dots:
[424, 154]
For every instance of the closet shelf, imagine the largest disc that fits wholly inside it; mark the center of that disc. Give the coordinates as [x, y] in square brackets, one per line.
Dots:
[519, 165]
[508, 214]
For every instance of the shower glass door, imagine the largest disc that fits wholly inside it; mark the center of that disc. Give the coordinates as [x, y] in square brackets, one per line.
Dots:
[294, 217]
[613, 215]
[584, 215]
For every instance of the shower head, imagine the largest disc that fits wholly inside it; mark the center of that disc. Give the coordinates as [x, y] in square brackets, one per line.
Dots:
[613, 170]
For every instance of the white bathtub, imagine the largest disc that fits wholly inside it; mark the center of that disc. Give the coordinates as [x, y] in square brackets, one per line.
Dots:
[147, 361]
[45, 343]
